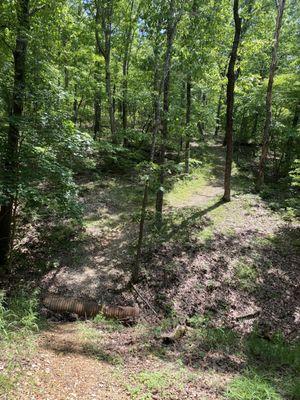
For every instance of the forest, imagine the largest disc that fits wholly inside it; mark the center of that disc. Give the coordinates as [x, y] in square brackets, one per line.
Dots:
[149, 199]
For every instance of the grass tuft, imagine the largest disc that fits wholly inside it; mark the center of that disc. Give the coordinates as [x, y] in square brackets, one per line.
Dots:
[251, 387]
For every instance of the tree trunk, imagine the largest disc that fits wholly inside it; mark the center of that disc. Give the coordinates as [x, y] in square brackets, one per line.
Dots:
[156, 104]
[97, 114]
[254, 129]
[136, 267]
[290, 143]
[219, 111]
[187, 122]
[110, 98]
[230, 101]
[104, 13]
[75, 110]
[124, 102]
[268, 120]
[219, 108]
[171, 29]
[97, 96]
[16, 112]
[128, 44]
[160, 192]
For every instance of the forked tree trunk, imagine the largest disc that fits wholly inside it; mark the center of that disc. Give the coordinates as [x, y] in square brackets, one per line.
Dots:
[230, 101]
[268, 120]
[11, 157]
[187, 122]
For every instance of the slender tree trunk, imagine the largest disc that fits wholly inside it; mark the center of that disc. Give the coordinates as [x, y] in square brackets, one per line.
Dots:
[219, 111]
[110, 98]
[97, 114]
[124, 102]
[183, 106]
[13, 136]
[75, 109]
[230, 101]
[104, 13]
[268, 120]
[187, 122]
[290, 143]
[254, 129]
[219, 108]
[136, 267]
[156, 106]
[171, 29]
[162, 153]
[97, 96]
[125, 69]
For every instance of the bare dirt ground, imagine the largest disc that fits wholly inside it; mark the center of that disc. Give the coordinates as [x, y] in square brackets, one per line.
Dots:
[76, 361]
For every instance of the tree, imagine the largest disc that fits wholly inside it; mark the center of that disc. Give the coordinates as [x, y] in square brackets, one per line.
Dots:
[230, 101]
[15, 125]
[268, 110]
[187, 122]
[172, 21]
[105, 9]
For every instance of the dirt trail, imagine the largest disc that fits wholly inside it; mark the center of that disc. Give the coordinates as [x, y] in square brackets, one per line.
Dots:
[97, 264]
[63, 370]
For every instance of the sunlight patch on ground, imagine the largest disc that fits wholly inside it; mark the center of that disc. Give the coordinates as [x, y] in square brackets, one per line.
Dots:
[183, 190]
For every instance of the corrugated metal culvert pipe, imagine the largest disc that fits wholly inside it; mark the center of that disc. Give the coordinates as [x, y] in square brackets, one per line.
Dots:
[89, 309]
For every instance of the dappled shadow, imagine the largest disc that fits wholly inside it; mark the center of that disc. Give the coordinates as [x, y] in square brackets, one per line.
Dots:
[92, 261]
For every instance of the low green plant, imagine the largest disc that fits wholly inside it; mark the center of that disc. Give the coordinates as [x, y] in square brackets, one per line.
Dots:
[111, 325]
[217, 338]
[295, 390]
[158, 383]
[6, 384]
[198, 321]
[275, 353]
[18, 314]
[246, 274]
[251, 387]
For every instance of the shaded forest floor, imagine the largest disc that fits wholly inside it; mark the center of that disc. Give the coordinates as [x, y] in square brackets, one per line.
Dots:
[230, 271]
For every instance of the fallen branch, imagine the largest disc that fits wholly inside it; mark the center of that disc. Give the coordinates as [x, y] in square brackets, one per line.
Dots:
[253, 314]
[145, 301]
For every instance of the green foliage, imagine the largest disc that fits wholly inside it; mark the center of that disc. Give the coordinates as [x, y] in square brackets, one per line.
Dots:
[295, 390]
[163, 383]
[295, 173]
[111, 325]
[276, 353]
[252, 387]
[6, 384]
[116, 158]
[246, 274]
[217, 338]
[18, 315]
